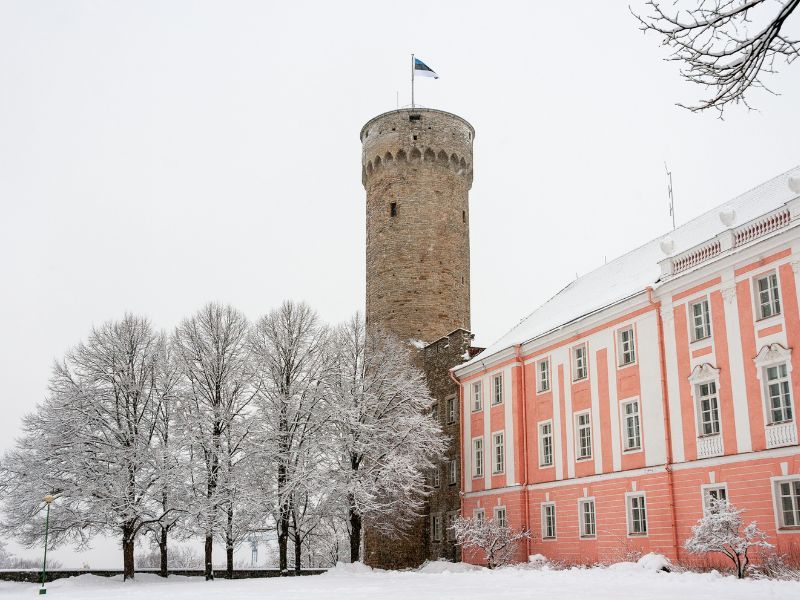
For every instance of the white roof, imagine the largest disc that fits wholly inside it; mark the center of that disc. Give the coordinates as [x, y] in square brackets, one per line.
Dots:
[633, 272]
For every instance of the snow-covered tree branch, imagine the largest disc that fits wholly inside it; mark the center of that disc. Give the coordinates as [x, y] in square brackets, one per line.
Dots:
[727, 46]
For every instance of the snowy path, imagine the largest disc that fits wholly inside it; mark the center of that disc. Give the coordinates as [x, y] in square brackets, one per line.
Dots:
[599, 584]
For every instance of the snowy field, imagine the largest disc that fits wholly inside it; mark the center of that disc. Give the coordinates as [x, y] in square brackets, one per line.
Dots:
[436, 582]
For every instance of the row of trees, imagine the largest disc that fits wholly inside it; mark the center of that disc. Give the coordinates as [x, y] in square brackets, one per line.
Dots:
[223, 429]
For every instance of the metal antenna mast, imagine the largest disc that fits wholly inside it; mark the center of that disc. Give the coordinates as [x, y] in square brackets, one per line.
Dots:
[669, 191]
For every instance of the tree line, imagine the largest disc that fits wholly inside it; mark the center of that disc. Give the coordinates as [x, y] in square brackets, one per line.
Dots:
[222, 429]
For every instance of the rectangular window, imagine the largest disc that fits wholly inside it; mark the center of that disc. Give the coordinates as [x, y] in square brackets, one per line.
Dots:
[708, 408]
[543, 375]
[637, 515]
[779, 394]
[579, 368]
[498, 451]
[435, 410]
[497, 389]
[549, 521]
[586, 511]
[436, 478]
[451, 410]
[393, 209]
[477, 457]
[452, 472]
[789, 503]
[712, 494]
[583, 437]
[451, 521]
[625, 345]
[500, 516]
[769, 300]
[477, 397]
[631, 427]
[546, 444]
[480, 515]
[436, 528]
[701, 322]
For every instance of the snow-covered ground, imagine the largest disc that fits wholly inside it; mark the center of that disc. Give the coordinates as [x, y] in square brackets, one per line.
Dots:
[434, 582]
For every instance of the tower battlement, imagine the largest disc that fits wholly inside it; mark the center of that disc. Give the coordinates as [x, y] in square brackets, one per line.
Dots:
[420, 137]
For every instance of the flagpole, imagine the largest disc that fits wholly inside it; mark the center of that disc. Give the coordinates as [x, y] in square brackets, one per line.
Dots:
[412, 81]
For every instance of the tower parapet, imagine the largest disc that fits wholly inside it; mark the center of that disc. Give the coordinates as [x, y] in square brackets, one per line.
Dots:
[417, 171]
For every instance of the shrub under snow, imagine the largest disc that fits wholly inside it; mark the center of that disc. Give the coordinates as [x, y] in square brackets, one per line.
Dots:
[720, 530]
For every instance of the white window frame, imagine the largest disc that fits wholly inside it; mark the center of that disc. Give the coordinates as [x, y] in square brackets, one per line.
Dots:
[545, 506]
[477, 395]
[705, 323]
[624, 425]
[436, 527]
[477, 457]
[436, 477]
[706, 493]
[479, 514]
[452, 471]
[780, 524]
[497, 399]
[786, 407]
[580, 368]
[629, 496]
[626, 358]
[542, 437]
[543, 375]
[452, 411]
[773, 291]
[501, 456]
[713, 409]
[451, 521]
[582, 523]
[500, 515]
[586, 426]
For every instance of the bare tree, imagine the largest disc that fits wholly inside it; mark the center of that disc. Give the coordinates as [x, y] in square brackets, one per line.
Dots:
[497, 542]
[383, 438]
[90, 444]
[211, 348]
[725, 45]
[288, 346]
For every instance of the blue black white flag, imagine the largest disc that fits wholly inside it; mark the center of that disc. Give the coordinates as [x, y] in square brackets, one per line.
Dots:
[423, 70]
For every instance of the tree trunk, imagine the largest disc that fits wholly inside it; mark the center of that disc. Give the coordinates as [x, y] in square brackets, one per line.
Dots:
[208, 556]
[355, 533]
[127, 553]
[229, 560]
[283, 543]
[162, 546]
[297, 552]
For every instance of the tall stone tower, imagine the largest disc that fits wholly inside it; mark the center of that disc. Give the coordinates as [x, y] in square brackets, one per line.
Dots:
[417, 170]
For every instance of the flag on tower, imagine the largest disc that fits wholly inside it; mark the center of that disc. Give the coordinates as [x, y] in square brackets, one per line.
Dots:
[423, 70]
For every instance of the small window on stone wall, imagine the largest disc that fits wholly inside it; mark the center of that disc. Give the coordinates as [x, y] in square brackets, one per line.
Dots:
[463, 216]
[393, 209]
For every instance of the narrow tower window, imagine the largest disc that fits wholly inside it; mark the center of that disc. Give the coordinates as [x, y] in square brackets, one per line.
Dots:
[393, 209]
[463, 216]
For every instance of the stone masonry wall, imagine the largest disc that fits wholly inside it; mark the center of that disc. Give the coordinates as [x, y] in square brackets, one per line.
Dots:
[417, 171]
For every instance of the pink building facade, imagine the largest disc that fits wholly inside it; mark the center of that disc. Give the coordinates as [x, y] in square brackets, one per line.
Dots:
[607, 418]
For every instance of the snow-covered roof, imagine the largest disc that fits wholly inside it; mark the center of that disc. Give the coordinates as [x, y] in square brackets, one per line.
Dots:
[633, 272]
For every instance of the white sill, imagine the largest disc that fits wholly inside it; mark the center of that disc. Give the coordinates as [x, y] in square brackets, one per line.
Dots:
[776, 423]
[707, 435]
[705, 340]
[632, 450]
[550, 466]
[626, 365]
[583, 458]
[768, 321]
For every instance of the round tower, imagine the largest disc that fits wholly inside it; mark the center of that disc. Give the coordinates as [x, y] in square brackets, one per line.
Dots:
[417, 171]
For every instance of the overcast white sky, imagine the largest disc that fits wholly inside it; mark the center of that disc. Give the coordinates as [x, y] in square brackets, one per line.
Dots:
[158, 155]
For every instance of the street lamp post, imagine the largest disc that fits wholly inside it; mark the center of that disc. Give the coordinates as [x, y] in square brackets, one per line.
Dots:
[47, 500]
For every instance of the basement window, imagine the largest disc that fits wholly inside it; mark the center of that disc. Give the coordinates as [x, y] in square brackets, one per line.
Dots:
[413, 118]
[393, 209]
